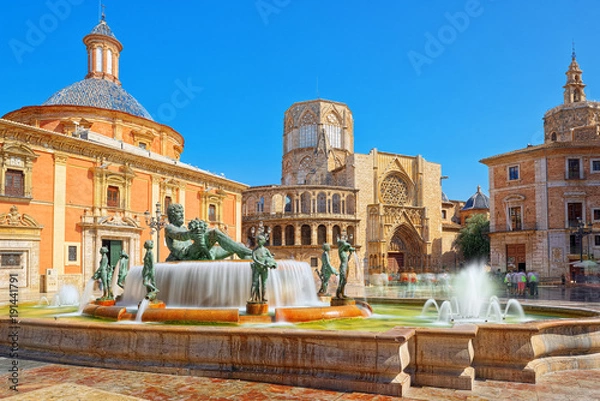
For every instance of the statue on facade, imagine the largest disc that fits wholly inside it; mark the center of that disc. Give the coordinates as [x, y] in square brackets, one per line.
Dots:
[344, 251]
[104, 273]
[123, 269]
[149, 272]
[197, 241]
[326, 270]
[262, 261]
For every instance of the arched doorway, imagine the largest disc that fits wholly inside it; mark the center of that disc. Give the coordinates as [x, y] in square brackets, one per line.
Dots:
[404, 250]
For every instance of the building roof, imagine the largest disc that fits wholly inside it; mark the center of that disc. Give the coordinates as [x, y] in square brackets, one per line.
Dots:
[99, 93]
[478, 201]
[102, 29]
[445, 198]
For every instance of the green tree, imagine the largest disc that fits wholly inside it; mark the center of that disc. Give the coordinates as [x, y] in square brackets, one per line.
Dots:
[473, 241]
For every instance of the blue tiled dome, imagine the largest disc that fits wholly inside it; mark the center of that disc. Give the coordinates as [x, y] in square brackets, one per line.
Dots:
[99, 93]
[478, 201]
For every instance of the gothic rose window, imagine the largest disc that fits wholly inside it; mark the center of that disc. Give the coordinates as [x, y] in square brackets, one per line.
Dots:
[393, 191]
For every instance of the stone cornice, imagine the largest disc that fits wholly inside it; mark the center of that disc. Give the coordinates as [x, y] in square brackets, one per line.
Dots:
[53, 142]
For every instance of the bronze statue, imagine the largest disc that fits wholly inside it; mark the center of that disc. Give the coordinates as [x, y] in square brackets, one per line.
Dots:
[197, 241]
[326, 270]
[149, 272]
[104, 274]
[123, 269]
[262, 261]
[344, 251]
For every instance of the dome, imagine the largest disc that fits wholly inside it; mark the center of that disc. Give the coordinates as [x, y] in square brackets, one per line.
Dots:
[101, 93]
[102, 29]
[478, 201]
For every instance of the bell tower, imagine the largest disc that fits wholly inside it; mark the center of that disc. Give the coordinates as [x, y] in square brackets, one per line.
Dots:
[103, 50]
[574, 87]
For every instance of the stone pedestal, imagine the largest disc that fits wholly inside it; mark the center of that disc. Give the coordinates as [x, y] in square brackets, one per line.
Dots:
[257, 308]
[342, 301]
[324, 298]
[106, 302]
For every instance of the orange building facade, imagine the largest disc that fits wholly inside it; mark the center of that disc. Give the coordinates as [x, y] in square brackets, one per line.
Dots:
[79, 171]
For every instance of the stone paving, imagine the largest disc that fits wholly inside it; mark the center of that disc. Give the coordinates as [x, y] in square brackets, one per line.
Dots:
[54, 382]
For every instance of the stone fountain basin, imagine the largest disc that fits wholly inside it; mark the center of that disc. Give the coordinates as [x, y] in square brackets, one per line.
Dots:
[227, 315]
[381, 363]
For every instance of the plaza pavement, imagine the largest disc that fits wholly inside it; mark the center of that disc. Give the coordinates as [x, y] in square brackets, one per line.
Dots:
[39, 381]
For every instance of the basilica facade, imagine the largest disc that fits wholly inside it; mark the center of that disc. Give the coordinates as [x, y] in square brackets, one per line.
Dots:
[545, 199]
[79, 171]
[389, 206]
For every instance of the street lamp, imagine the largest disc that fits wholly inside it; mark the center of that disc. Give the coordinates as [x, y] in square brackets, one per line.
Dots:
[583, 230]
[155, 224]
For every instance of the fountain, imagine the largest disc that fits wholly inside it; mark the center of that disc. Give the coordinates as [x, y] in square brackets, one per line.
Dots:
[473, 300]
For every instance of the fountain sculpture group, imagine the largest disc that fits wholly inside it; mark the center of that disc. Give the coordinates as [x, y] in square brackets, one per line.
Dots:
[197, 256]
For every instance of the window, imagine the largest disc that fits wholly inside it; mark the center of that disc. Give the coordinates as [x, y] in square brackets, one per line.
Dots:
[513, 173]
[212, 213]
[288, 204]
[595, 166]
[14, 184]
[574, 244]
[260, 205]
[553, 137]
[515, 218]
[168, 202]
[337, 233]
[597, 240]
[305, 234]
[335, 205]
[276, 236]
[308, 136]
[112, 196]
[321, 235]
[98, 59]
[143, 145]
[596, 214]
[314, 262]
[334, 134]
[109, 61]
[305, 203]
[289, 235]
[574, 213]
[444, 214]
[321, 203]
[72, 253]
[573, 169]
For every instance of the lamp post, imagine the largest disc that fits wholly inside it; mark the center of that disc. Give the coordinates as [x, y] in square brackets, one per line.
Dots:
[156, 223]
[583, 230]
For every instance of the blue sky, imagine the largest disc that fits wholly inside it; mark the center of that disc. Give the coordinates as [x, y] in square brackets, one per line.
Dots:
[453, 81]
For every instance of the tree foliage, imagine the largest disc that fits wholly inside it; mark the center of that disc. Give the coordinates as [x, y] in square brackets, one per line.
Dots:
[473, 241]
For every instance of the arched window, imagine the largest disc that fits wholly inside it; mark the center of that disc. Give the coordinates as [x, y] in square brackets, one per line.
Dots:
[288, 204]
[350, 231]
[350, 204]
[289, 235]
[98, 59]
[321, 234]
[576, 95]
[553, 137]
[260, 205]
[250, 206]
[276, 236]
[305, 233]
[336, 233]
[336, 204]
[321, 203]
[305, 203]
[109, 61]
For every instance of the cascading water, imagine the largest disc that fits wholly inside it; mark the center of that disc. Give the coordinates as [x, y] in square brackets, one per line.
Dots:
[67, 295]
[223, 283]
[87, 294]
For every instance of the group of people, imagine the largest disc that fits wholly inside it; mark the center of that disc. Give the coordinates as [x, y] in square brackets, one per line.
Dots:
[521, 284]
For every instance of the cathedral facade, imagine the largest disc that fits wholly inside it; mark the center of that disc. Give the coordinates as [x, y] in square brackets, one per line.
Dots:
[545, 199]
[389, 206]
[79, 172]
